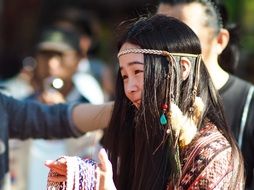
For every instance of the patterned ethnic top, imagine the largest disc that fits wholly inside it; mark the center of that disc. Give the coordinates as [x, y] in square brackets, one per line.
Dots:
[206, 162]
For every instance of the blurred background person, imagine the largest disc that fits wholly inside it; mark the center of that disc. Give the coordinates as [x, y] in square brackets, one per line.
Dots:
[57, 58]
[220, 51]
[86, 23]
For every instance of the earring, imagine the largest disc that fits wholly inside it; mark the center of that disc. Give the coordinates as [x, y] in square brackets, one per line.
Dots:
[163, 118]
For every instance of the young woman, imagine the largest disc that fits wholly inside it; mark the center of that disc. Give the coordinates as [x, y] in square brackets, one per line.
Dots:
[167, 129]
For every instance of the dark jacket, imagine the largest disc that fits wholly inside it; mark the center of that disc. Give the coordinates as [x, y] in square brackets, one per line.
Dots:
[235, 94]
[30, 119]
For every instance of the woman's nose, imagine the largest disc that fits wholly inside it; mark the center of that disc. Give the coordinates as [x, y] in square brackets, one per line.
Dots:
[132, 85]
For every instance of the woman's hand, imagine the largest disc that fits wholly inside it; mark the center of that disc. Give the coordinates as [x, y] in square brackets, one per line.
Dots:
[105, 171]
[59, 166]
[58, 170]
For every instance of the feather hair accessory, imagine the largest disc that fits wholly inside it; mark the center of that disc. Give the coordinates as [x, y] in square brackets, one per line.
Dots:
[184, 127]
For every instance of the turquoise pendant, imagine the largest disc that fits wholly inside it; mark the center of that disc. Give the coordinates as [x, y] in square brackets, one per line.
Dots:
[163, 119]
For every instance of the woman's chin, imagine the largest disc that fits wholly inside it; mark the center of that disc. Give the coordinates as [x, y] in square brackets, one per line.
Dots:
[136, 104]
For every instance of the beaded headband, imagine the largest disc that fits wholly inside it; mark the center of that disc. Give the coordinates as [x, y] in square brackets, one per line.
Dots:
[155, 52]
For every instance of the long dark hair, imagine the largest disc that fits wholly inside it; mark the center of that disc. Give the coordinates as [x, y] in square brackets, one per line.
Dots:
[217, 18]
[134, 138]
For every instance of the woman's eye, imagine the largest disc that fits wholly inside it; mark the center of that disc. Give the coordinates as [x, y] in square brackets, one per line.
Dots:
[124, 77]
[138, 71]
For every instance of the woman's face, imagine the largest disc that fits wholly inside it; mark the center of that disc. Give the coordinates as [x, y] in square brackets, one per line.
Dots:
[132, 72]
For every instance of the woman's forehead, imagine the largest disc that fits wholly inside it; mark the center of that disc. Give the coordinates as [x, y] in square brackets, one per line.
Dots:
[130, 58]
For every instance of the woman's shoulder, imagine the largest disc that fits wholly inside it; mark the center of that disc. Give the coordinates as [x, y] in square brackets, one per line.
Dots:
[206, 161]
[208, 136]
[210, 133]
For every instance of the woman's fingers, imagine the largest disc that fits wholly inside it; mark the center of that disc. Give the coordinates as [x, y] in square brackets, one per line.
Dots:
[58, 178]
[57, 171]
[58, 166]
[105, 164]
[105, 172]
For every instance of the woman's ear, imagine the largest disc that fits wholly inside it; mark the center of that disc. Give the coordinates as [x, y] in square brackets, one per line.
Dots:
[186, 67]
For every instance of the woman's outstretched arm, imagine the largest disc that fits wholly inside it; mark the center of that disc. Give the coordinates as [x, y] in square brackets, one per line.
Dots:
[89, 117]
